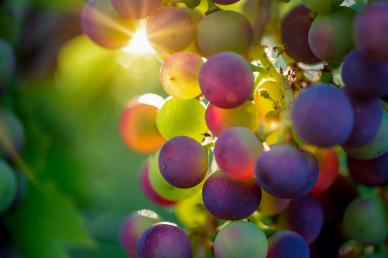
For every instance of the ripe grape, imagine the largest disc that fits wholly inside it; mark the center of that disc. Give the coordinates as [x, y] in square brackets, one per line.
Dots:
[138, 126]
[225, 1]
[322, 115]
[368, 116]
[182, 118]
[271, 205]
[314, 174]
[287, 244]
[377, 147]
[265, 105]
[321, 6]
[283, 171]
[295, 38]
[230, 199]
[224, 31]
[104, 26]
[297, 11]
[365, 220]
[330, 35]
[183, 162]
[370, 172]
[11, 135]
[135, 9]
[147, 188]
[133, 227]
[218, 119]
[240, 239]
[8, 186]
[364, 77]
[7, 64]
[226, 80]
[236, 151]
[303, 216]
[164, 240]
[170, 30]
[371, 31]
[179, 75]
[328, 169]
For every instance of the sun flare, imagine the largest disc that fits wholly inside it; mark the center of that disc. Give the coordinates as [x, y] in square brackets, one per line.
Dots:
[139, 43]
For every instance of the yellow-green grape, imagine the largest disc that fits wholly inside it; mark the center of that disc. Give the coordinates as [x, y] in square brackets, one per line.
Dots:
[271, 205]
[182, 118]
[163, 188]
[191, 212]
[267, 95]
[179, 75]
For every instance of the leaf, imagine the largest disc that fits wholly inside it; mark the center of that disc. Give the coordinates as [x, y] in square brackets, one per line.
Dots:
[47, 225]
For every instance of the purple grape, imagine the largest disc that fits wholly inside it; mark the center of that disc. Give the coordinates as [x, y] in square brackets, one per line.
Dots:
[371, 28]
[236, 151]
[368, 116]
[322, 115]
[283, 171]
[364, 77]
[230, 199]
[370, 172]
[287, 244]
[133, 227]
[297, 11]
[314, 174]
[135, 9]
[226, 80]
[164, 240]
[295, 38]
[225, 1]
[183, 162]
[304, 216]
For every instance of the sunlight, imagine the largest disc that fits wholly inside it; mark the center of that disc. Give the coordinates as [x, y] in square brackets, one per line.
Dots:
[139, 43]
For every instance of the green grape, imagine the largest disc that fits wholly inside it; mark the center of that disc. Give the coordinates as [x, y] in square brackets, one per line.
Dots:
[163, 188]
[8, 186]
[191, 211]
[321, 6]
[182, 118]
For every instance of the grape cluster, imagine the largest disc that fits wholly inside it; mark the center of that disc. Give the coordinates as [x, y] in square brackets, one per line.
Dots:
[274, 137]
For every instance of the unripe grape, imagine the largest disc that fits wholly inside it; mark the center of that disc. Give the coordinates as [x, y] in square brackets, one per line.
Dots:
[8, 186]
[321, 6]
[135, 9]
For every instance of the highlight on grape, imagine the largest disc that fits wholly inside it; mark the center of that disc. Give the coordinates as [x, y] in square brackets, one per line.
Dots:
[271, 140]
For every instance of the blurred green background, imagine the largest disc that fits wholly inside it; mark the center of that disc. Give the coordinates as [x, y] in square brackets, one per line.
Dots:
[83, 180]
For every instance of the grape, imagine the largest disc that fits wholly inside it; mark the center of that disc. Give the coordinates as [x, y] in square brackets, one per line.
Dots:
[328, 169]
[104, 26]
[179, 75]
[11, 135]
[236, 151]
[8, 186]
[314, 174]
[138, 126]
[183, 162]
[182, 118]
[240, 239]
[226, 80]
[7, 64]
[191, 212]
[377, 147]
[265, 105]
[218, 119]
[192, 3]
[370, 172]
[297, 11]
[230, 199]
[225, 1]
[371, 31]
[364, 77]
[146, 186]
[133, 227]
[271, 205]
[295, 38]
[335, 199]
[164, 240]
[321, 6]
[164, 188]
[224, 31]
[322, 115]
[368, 116]
[303, 216]
[287, 244]
[283, 171]
[135, 9]
[170, 30]
[365, 220]
[330, 34]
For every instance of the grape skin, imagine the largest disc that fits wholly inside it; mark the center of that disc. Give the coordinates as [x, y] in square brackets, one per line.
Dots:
[271, 205]
[321, 6]
[7, 64]
[287, 244]
[135, 9]
[328, 169]
[8, 186]
[12, 133]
